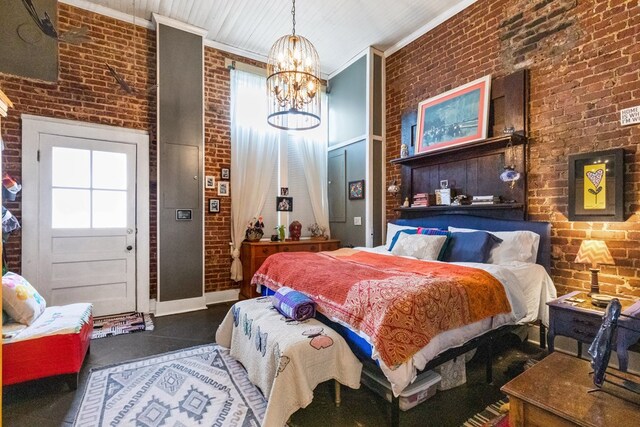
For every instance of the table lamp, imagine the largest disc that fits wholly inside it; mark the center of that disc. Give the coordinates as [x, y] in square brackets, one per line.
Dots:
[594, 252]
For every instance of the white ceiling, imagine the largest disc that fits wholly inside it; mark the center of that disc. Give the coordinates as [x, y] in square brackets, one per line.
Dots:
[339, 29]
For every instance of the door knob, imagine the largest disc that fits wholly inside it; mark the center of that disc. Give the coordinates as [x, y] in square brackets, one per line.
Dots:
[129, 247]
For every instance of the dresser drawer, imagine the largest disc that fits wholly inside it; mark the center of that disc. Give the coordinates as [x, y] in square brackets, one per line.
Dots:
[264, 251]
[583, 332]
[310, 247]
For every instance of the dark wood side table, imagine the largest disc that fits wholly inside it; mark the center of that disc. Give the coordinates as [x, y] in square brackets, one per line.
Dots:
[581, 322]
[253, 254]
[554, 392]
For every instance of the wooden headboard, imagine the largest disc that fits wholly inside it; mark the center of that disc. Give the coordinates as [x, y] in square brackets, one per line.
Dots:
[474, 169]
[489, 224]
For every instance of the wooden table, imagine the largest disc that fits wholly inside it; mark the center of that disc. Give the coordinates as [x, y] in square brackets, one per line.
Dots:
[554, 392]
[581, 321]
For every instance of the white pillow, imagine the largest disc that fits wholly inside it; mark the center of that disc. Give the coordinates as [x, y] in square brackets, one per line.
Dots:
[518, 245]
[20, 300]
[419, 246]
[392, 229]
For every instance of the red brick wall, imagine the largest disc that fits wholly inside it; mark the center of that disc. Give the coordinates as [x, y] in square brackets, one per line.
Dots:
[86, 92]
[583, 58]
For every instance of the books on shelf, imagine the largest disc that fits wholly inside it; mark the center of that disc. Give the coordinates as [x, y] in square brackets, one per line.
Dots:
[421, 199]
[485, 200]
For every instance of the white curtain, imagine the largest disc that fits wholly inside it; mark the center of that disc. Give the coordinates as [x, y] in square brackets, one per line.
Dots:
[254, 157]
[313, 149]
[313, 152]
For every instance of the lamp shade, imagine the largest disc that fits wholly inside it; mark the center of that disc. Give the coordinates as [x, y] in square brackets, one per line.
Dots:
[594, 252]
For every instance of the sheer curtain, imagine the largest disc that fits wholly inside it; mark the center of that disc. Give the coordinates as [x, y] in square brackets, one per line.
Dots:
[254, 157]
[313, 147]
[313, 153]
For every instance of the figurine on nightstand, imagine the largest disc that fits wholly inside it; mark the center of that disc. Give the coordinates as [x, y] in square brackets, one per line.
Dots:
[406, 203]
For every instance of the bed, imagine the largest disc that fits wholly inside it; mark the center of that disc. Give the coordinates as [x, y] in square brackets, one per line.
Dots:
[527, 286]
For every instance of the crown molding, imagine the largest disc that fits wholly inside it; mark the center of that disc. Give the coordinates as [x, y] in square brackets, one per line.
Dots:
[174, 23]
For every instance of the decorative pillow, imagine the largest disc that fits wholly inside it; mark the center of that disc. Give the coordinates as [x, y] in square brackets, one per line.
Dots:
[400, 235]
[437, 232]
[20, 300]
[392, 230]
[520, 245]
[420, 246]
[472, 246]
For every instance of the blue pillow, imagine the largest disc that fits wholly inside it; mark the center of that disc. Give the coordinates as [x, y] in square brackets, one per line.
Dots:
[470, 247]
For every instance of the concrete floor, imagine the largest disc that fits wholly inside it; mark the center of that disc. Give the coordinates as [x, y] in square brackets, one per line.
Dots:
[49, 402]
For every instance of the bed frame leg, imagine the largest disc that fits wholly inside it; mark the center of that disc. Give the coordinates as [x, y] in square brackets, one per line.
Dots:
[395, 412]
[337, 390]
[489, 365]
[543, 336]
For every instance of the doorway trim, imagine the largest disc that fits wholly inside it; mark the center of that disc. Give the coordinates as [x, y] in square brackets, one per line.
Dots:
[32, 127]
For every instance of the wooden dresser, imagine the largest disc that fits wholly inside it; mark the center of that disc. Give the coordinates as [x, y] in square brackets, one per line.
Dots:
[253, 255]
[554, 392]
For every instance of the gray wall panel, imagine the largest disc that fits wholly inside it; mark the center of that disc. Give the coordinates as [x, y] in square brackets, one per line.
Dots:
[337, 186]
[181, 151]
[348, 233]
[378, 93]
[37, 57]
[347, 103]
[376, 188]
[180, 86]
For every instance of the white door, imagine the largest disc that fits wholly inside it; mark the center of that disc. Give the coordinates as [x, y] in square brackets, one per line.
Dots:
[87, 223]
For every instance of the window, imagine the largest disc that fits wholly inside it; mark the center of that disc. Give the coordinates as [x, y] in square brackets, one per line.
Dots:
[88, 189]
[251, 107]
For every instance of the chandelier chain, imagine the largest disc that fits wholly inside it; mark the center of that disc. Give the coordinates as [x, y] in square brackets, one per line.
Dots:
[293, 12]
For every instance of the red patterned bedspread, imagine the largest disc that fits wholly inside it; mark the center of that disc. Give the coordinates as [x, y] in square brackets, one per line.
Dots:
[400, 303]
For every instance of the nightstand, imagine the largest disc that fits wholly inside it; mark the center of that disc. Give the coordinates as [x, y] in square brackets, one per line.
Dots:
[581, 322]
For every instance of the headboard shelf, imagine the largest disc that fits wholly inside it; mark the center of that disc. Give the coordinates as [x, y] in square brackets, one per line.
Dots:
[474, 169]
[440, 209]
[500, 210]
[496, 141]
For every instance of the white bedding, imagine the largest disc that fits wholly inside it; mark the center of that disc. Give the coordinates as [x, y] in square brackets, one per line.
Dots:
[528, 288]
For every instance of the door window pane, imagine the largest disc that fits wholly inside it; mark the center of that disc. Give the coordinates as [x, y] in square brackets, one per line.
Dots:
[109, 209]
[71, 208]
[109, 170]
[71, 167]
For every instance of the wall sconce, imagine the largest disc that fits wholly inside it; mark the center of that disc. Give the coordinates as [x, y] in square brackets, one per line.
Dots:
[394, 188]
[510, 174]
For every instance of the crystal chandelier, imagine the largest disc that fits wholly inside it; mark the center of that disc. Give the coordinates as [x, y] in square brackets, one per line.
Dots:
[293, 84]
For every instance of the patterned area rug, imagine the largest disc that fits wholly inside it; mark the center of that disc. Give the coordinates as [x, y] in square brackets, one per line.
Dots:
[109, 326]
[198, 386]
[494, 415]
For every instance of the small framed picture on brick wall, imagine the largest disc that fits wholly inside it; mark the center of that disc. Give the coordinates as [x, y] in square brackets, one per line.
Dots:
[223, 188]
[225, 174]
[214, 205]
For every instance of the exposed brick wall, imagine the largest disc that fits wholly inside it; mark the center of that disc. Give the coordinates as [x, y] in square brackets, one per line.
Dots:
[218, 155]
[86, 92]
[583, 58]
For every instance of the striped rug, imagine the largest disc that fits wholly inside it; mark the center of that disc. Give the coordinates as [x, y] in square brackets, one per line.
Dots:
[493, 415]
[118, 324]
